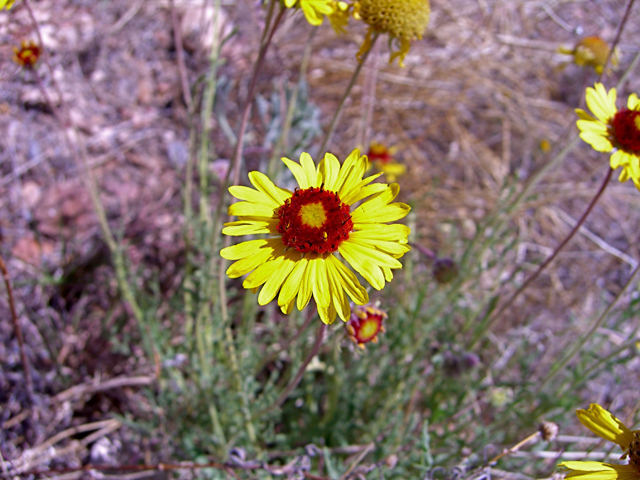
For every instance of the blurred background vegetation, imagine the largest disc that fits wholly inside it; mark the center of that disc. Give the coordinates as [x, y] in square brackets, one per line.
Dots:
[140, 353]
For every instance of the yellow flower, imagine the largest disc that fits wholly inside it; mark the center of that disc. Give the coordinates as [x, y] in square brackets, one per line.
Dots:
[591, 52]
[27, 55]
[605, 425]
[613, 129]
[339, 18]
[402, 20]
[6, 4]
[365, 324]
[383, 161]
[313, 9]
[309, 226]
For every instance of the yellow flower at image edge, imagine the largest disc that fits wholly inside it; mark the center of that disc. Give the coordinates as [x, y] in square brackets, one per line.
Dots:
[613, 129]
[402, 20]
[313, 9]
[6, 4]
[309, 226]
[605, 425]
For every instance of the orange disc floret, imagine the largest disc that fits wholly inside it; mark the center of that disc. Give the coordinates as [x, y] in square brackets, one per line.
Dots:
[27, 55]
[365, 324]
[314, 220]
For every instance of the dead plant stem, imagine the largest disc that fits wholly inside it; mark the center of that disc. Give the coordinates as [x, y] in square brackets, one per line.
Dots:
[343, 100]
[177, 35]
[494, 317]
[596, 325]
[623, 22]
[283, 142]
[16, 327]
[235, 167]
[89, 179]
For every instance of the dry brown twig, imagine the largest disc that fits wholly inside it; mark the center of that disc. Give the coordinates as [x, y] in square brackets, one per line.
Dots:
[16, 327]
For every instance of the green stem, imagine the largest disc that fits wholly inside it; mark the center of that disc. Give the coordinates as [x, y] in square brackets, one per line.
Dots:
[342, 104]
[299, 374]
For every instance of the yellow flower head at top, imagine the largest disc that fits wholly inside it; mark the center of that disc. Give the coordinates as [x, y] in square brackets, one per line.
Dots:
[402, 20]
[605, 425]
[6, 4]
[312, 224]
[613, 129]
[313, 9]
[383, 161]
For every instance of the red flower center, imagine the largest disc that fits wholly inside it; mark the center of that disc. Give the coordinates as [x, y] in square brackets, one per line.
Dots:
[626, 130]
[634, 451]
[314, 220]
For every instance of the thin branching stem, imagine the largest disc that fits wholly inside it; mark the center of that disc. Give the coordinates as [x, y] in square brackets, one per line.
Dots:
[596, 325]
[616, 40]
[299, 374]
[493, 318]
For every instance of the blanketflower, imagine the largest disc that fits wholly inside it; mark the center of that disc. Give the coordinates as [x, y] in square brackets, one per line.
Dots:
[605, 425]
[312, 224]
[592, 52]
[313, 9]
[402, 20]
[383, 161]
[365, 324]
[27, 55]
[613, 129]
[6, 4]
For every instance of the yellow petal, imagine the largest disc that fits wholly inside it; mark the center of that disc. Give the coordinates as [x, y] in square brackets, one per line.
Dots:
[350, 165]
[327, 314]
[349, 281]
[599, 471]
[597, 142]
[395, 232]
[393, 247]
[247, 264]
[319, 281]
[250, 227]
[266, 186]
[277, 279]
[592, 126]
[292, 285]
[251, 195]
[605, 425]
[309, 168]
[633, 103]
[362, 264]
[602, 105]
[329, 168]
[306, 285]
[244, 249]
[619, 159]
[584, 115]
[251, 209]
[263, 272]
[338, 297]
